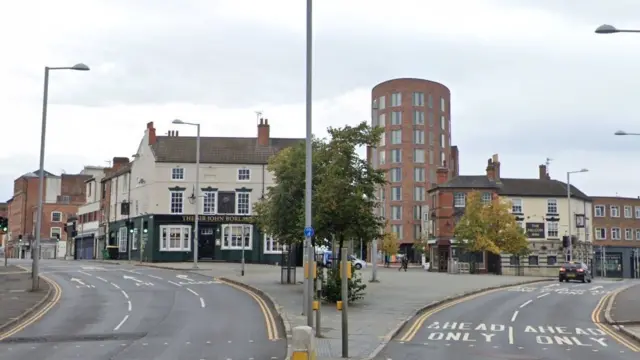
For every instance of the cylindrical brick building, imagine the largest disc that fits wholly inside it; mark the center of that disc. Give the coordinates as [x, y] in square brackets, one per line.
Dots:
[416, 116]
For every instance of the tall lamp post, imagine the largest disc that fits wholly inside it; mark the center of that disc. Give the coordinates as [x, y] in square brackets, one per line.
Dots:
[610, 29]
[43, 135]
[569, 211]
[196, 192]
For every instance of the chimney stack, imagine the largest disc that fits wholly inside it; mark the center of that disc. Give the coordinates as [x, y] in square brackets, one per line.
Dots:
[263, 132]
[493, 168]
[442, 174]
[151, 132]
[543, 174]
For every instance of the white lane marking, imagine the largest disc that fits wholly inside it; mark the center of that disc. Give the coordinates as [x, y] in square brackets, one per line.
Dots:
[202, 302]
[511, 335]
[116, 286]
[155, 277]
[543, 295]
[193, 292]
[550, 286]
[174, 283]
[84, 272]
[129, 305]
[515, 314]
[125, 294]
[101, 279]
[121, 322]
[185, 278]
[526, 303]
[596, 288]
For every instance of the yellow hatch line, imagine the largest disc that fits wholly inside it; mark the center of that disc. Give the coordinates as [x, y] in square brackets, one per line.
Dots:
[272, 328]
[39, 314]
[595, 318]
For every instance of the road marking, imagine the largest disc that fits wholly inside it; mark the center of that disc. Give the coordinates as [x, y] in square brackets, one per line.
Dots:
[543, 295]
[155, 277]
[137, 281]
[101, 279]
[550, 286]
[81, 283]
[193, 292]
[185, 277]
[40, 313]
[595, 318]
[202, 302]
[174, 283]
[121, 323]
[116, 286]
[526, 303]
[84, 272]
[596, 288]
[129, 305]
[272, 327]
[125, 294]
[511, 335]
[515, 314]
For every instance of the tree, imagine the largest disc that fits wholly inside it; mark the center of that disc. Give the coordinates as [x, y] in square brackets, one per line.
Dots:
[490, 227]
[421, 245]
[390, 245]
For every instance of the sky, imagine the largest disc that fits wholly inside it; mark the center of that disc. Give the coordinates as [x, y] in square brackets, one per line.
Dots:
[529, 79]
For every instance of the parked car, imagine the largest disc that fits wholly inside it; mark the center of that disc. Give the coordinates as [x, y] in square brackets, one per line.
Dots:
[357, 263]
[574, 270]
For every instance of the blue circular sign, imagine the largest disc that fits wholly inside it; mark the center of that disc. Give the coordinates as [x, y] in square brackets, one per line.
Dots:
[308, 231]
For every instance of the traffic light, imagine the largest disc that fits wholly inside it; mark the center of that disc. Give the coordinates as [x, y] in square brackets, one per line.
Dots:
[4, 224]
[565, 242]
[129, 225]
[145, 226]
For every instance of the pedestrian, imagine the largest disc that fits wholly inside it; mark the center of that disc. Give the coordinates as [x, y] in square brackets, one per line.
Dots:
[404, 263]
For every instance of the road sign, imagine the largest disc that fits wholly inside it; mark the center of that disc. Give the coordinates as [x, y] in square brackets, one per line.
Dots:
[308, 231]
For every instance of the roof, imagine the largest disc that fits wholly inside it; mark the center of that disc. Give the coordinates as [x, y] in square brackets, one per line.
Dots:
[36, 173]
[514, 187]
[218, 150]
[122, 170]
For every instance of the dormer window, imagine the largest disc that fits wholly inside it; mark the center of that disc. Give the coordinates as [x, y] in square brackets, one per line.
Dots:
[244, 174]
[177, 174]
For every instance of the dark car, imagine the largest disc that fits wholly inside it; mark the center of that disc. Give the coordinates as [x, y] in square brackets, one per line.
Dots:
[574, 271]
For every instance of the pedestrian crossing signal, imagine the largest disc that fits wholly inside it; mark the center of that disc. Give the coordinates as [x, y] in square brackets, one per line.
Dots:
[4, 224]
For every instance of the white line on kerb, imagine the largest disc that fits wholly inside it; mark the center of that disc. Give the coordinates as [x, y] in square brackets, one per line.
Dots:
[174, 283]
[511, 335]
[515, 314]
[125, 294]
[193, 292]
[155, 277]
[202, 302]
[543, 295]
[101, 279]
[526, 303]
[121, 323]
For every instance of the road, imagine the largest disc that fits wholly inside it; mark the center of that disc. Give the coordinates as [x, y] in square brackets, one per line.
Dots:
[127, 312]
[542, 321]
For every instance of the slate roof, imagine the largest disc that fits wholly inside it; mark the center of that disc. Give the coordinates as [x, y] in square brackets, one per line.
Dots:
[218, 150]
[514, 187]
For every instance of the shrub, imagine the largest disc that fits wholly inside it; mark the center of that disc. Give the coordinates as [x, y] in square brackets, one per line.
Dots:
[332, 286]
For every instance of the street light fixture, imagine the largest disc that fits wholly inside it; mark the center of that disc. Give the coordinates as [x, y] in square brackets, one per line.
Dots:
[43, 135]
[197, 190]
[610, 29]
[569, 212]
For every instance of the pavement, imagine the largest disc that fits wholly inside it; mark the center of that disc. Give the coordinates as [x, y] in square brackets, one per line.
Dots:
[16, 298]
[623, 311]
[385, 307]
[126, 312]
[537, 321]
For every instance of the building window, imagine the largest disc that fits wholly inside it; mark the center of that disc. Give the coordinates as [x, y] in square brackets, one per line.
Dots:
[396, 155]
[175, 238]
[397, 231]
[382, 158]
[418, 193]
[271, 245]
[516, 206]
[443, 141]
[614, 211]
[514, 260]
[383, 139]
[615, 234]
[382, 104]
[396, 99]
[382, 120]
[443, 158]
[431, 157]
[443, 123]
[418, 99]
[396, 137]
[628, 212]
[431, 138]
[552, 229]
[56, 216]
[486, 198]
[601, 234]
[459, 199]
[66, 199]
[134, 240]
[209, 202]
[599, 210]
[417, 232]
[418, 156]
[396, 193]
[432, 175]
[637, 212]
[177, 202]
[396, 213]
[417, 212]
[244, 174]
[396, 118]
[177, 174]
[628, 234]
[430, 101]
[396, 174]
[552, 206]
[442, 104]
[533, 260]
[637, 234]
[234, 236]
[55, 233]
[418, 174]
[122, 240]
[418, 137]
[418, 117]
[243, 203]
[552, 260]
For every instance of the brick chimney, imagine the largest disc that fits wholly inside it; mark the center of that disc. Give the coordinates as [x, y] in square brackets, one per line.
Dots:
[543, 174]
[493, 168]
[151, 131]
[442, 175]
[491, 173]
[263, 132]
[119, 162]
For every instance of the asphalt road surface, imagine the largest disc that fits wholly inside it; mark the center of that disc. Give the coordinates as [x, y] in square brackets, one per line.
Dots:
[540, 321]
[127, 312]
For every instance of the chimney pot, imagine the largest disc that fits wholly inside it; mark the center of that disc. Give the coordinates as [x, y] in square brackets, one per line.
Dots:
[176, 132]
[263, 132]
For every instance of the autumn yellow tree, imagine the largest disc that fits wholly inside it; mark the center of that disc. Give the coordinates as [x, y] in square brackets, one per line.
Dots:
[490, 227]
[390, 244]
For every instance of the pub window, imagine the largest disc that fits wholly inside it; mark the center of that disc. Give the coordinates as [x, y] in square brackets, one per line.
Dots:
[226, 202]
[533, 260]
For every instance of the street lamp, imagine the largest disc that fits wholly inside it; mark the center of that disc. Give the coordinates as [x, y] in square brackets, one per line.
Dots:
[610, 29]
[196, 192]
[569, 212]
[43, 134]
[308, 292]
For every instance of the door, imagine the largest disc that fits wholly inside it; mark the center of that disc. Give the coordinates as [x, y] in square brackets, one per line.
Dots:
[443, 259]
[206, 243]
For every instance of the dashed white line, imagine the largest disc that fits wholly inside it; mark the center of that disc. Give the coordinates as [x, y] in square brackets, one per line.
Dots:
[116, 286]
[193, 292]
[515, 314]
[125, 294]
[526, 303]
[543, 295]
[174, 283]
[101, 279]
[121, 322]
[155, 277]
[129, 305]
[202, 302]
[85, 273]
[511, 335]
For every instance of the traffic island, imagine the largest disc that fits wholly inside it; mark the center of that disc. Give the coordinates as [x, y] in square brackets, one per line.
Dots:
[17, 300]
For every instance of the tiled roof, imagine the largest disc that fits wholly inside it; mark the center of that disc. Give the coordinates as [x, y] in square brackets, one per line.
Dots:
[514, 187]
[218, 150]
[122, 170]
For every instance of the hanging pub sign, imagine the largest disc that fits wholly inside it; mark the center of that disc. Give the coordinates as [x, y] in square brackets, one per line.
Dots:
[580, 220]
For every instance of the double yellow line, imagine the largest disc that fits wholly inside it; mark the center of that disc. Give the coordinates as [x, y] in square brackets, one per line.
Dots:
[272, 326]
[418, 322]
[40, 313]
[595, 317]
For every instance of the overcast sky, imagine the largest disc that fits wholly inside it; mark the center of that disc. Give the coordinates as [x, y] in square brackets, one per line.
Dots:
[529, 78]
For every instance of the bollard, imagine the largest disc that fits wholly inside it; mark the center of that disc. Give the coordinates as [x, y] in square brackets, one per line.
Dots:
[303, 343]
